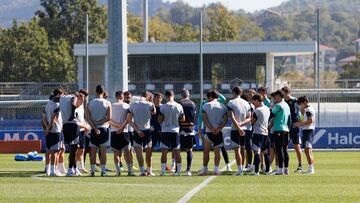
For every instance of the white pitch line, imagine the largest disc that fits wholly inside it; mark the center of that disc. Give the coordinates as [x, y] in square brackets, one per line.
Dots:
[203, 184]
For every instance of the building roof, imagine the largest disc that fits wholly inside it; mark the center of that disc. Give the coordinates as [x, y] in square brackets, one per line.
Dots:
[348, 59]
[278, 48]
[324, 47]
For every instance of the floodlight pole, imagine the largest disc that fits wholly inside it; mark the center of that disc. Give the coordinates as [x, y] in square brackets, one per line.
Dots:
[318, 64]
[201, 60]
[87, 53]
[117, 47]
[146, 20]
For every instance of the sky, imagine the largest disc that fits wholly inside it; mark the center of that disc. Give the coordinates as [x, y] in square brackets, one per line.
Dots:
[247, 5]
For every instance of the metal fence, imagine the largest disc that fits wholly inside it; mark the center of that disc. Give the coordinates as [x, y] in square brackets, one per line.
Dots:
[38, 54]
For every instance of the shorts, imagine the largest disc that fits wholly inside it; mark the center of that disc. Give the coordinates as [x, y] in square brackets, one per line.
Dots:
[144, 142]
[155, 138]
[295, 136]
[307, 138]
[281, 138]
[257, 141]
[170, 141]
[120, 142]
[248, 139]
[53, 141]
[71, 133]
[236, 139]
[215, 140]
[82, 140]
[101, 140]
[187, 139]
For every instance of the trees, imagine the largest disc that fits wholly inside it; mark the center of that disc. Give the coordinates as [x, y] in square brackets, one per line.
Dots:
[28, 56]
[222, 24]
[66, 19]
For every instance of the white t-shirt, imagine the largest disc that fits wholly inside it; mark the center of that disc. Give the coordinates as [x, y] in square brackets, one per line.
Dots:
[80, 116]
[141, 111]
[262, 115]
[171, 111]
[98, 108]
[241, 108]
[67, 108]
[215, 112]
[54, 107]
[119, 114]
[309, 113]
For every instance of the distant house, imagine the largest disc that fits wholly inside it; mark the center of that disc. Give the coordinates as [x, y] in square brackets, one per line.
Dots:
[265, 14]
[357, 45]
[327, 58]
[346, 60]
[351, 59]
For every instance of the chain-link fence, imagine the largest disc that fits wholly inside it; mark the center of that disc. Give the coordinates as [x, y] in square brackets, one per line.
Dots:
[41, 53]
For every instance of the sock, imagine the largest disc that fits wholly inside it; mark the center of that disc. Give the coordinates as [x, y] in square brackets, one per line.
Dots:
[103, 168]
[78, 164]
[256, 162]
[173, 163]
[216, 168]
[129, 167]
[93, 167]
[150, 169]
[240, 168]
[56, 169]
[117, 166]
[142, 169]
[47, 169]
[61, 167]
[70, 171]
[205, 168]
[82, 165]
[178, 168]
[277, 167]
[52, 169]
[300, 165]
[311, 166]
[163, 167]
[189, 160]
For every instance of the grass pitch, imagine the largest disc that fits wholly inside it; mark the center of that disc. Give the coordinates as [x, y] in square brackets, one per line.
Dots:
[337, 179]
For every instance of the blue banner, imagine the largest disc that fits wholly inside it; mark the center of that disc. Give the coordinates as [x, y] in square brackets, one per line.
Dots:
[24, 135]
[325, 138]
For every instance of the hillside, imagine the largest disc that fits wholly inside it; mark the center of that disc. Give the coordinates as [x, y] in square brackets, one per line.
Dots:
[331, 5]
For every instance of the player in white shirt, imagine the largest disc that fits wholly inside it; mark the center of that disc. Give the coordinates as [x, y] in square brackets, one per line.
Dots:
[141, 112]
[240, 115]
[260, 139]
[127, 99]
[120, 140]
[248, 94]
[99, 110]
[170, 115]
[307, 125]
[215, 117]
[84, 132]
[53, 128]
[68, 105]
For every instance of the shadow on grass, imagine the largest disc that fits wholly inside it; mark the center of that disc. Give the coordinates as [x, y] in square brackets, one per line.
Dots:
[19, 174]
